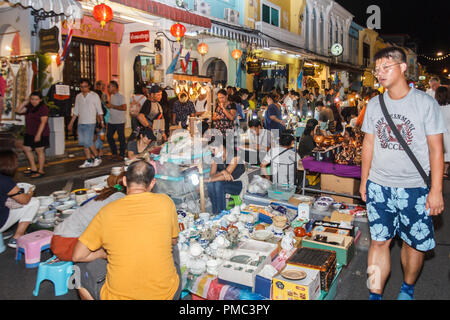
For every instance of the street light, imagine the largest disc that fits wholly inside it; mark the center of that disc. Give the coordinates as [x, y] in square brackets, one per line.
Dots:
[440, 54]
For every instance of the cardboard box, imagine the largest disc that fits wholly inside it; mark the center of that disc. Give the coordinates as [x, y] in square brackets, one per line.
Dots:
[263, 286]
[350, 186]
[306, 289]
[344, 251]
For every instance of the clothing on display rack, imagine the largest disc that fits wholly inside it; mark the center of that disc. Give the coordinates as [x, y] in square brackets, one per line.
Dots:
[17, 73]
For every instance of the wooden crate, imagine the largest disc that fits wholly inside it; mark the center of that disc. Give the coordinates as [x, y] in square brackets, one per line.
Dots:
[323, 260]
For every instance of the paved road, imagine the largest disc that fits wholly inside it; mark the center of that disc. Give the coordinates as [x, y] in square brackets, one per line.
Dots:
[17, 282]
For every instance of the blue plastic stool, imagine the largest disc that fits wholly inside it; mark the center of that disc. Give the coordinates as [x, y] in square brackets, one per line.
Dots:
[57, 272]
[2, 245]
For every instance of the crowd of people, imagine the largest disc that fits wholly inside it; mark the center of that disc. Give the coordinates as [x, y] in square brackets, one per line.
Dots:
[116, 265]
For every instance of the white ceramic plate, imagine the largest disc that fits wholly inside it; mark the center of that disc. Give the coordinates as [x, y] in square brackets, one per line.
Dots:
[262, 235]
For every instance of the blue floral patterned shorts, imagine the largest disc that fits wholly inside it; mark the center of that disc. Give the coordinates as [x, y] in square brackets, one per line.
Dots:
[400, 211]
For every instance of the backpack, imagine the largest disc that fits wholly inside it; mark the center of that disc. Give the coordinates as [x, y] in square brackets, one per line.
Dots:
[135, 106]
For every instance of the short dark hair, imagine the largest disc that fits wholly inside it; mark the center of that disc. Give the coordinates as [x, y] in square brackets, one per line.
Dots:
[155, 89]
[114, 83]
[37, 94]
[138, 89]
[8, 163]
[442, 95]
[286, 139]
[254, 123]
[147, 132]
[394, 53]
[222, 92]
[86, 80]
[320, 103]
[141, 173]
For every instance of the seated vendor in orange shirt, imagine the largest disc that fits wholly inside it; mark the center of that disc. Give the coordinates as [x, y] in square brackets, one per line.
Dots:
[135, 235]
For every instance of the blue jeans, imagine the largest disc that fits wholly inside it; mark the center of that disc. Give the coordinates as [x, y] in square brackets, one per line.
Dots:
[217, 191]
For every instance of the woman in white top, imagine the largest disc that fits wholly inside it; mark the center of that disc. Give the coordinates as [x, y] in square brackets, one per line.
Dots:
[443, 98]
[137, 100]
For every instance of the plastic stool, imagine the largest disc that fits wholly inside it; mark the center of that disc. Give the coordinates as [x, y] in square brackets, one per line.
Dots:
[235, 201]
[31, 246]
[2, 244]
[58, 272]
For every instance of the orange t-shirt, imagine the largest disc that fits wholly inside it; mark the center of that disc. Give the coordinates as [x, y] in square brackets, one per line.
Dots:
[136, 232]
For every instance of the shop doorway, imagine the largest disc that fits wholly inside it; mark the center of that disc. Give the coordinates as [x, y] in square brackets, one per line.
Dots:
[217, 70]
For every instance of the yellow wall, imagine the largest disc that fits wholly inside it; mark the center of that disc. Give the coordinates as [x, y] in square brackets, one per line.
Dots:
[290, 11]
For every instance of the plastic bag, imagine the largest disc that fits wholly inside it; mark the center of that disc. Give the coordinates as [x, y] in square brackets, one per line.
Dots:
[259, 185]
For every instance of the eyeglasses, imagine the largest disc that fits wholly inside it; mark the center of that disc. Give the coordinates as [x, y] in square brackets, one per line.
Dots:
[384, 68]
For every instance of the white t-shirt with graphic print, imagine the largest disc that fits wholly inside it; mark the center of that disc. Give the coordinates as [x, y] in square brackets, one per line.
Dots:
[416, 116]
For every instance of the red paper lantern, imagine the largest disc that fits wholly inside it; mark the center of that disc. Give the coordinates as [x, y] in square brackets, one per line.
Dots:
[102, 13]
[236, 53]
[178, 31]
[202, 48]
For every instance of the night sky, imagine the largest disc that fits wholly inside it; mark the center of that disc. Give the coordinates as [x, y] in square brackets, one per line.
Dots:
[425, 21]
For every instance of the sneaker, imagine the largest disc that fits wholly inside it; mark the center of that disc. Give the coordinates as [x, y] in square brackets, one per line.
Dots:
[12, 243]
[7, 235]
[86, 164]
[97, 162]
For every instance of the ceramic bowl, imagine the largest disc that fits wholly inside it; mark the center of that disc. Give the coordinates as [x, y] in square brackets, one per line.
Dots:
[61, 195]
[204, 216]
[326, 199]
[63, 207]
[67, 213]
[70, 202]
[45, 201]
[196, 250]
[322, 205]
[54, 205]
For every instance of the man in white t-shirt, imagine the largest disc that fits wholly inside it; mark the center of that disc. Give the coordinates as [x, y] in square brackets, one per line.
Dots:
[399, 200]
[117, 117]
[282, 161]
[434, 83]
[88, 110]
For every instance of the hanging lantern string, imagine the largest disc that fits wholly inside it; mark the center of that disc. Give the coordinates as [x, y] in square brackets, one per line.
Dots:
[441, 58]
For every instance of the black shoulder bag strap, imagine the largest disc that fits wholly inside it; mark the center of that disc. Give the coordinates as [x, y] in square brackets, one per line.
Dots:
[403, 143]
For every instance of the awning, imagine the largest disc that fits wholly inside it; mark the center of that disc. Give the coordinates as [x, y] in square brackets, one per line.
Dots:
[240, 34]
[70, 9]
[165, 11]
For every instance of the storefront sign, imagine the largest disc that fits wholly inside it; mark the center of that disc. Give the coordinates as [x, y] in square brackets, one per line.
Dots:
[140, 36]
[253, 67]
[91, 29]
[309, 71]
[48, 40]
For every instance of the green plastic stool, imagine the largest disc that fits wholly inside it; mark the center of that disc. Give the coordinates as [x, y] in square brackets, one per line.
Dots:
[234, 201]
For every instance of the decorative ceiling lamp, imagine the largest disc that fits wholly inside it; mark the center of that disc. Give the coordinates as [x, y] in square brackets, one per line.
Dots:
[236, 54]
[102, 13]
[202, 48]
[178, 31]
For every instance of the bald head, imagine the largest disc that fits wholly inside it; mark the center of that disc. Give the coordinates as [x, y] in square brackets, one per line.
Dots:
[140, 173]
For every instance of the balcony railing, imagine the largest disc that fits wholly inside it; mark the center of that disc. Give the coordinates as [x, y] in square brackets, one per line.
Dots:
[280, 34]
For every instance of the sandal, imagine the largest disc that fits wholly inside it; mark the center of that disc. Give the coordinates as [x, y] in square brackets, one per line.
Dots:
[29, 172]
[37, 175]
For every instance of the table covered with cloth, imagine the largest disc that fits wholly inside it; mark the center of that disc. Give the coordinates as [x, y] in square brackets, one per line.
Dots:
[340, 170]
[207, 286]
